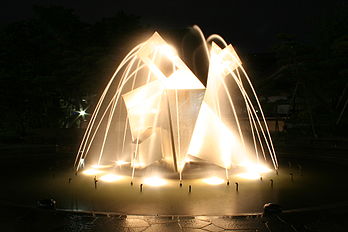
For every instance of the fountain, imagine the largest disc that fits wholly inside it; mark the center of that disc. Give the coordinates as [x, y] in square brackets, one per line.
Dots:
[154, 110]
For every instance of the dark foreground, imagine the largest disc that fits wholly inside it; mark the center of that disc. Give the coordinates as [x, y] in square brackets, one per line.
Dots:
[23, 164]
[14, 218]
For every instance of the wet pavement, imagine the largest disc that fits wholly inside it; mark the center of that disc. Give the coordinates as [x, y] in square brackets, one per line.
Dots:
[23, 218]
[15, 218]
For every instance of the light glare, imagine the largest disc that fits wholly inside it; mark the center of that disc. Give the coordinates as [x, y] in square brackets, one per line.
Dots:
[249, 175]
[110, 178]
[121, 162]
[155, 181]
[257, 168]
[92, 171]
[213, 180]
[99, 166]
[82, 112]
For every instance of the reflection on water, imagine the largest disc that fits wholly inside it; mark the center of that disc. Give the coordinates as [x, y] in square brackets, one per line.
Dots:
[315, 184]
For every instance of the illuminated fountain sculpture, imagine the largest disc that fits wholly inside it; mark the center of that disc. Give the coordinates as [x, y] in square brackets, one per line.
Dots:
[154, 109]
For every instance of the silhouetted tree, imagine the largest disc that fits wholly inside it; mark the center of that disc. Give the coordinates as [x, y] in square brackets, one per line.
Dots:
[52, 60]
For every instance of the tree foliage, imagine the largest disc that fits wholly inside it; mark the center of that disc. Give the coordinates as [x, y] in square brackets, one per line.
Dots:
[54, 59]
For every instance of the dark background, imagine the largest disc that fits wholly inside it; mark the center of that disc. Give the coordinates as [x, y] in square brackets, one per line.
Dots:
[252, 25]
[57, 56]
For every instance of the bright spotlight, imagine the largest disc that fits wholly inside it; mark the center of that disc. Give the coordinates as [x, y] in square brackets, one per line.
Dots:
[256, 167]
[110, 178]
[213, 180]
[92, 171]
[121, 162]
[155, 181]
[262, 168]
[98, 166]
[249, 175]
[82, 113]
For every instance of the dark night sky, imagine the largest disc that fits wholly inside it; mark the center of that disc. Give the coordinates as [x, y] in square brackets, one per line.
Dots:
[251, 25]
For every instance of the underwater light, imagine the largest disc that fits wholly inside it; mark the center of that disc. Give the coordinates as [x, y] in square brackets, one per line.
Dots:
[213, 180]
[155, 181]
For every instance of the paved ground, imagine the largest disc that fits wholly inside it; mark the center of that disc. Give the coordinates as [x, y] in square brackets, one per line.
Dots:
[14, 218]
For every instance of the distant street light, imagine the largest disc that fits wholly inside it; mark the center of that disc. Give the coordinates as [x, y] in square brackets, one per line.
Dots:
[82, 113]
